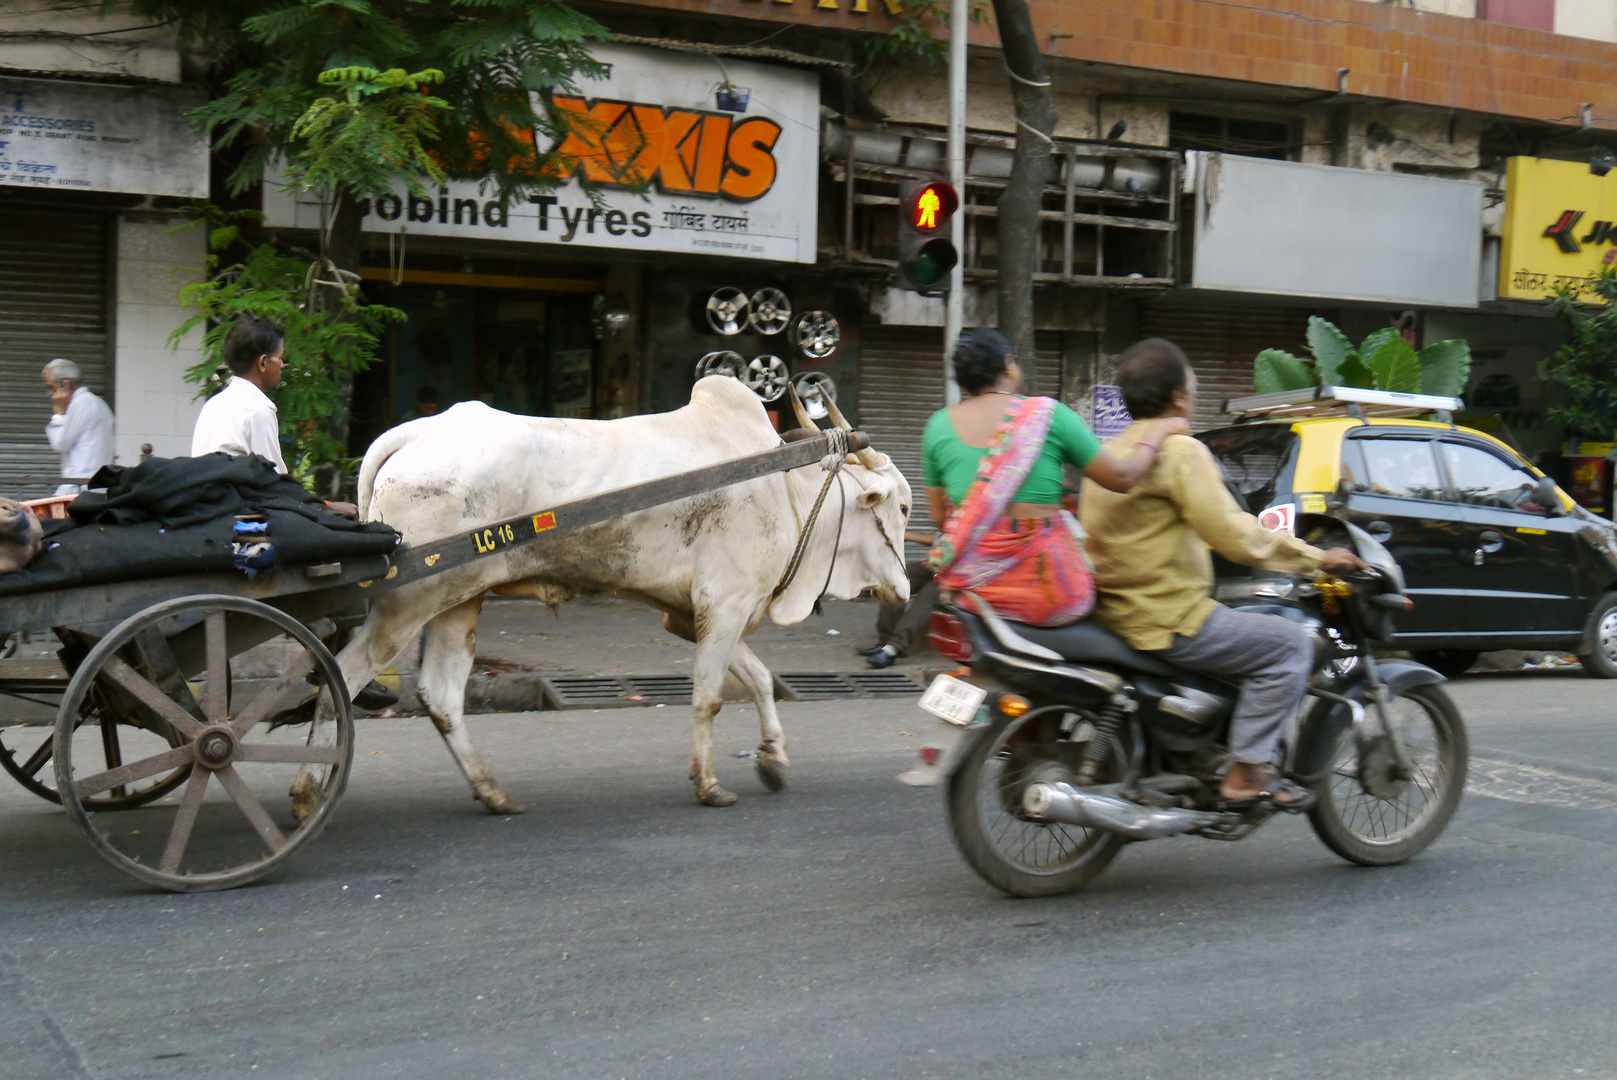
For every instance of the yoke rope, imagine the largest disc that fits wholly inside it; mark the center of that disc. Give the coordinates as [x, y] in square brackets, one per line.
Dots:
[832, 464]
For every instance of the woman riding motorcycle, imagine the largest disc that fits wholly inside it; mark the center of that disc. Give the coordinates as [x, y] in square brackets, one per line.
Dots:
[996, 458]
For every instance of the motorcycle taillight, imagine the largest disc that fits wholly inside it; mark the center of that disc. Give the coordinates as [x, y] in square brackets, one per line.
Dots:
[947, 636]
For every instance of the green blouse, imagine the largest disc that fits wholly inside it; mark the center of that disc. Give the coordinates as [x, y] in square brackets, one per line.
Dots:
[950, 464]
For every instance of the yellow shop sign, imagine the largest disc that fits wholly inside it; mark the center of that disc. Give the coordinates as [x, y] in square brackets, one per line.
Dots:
[1560, 227]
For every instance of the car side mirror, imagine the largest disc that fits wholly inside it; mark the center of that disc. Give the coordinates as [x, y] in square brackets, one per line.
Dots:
[1547, 495]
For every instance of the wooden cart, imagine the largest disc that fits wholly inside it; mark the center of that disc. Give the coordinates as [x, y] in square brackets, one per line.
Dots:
[176, 776]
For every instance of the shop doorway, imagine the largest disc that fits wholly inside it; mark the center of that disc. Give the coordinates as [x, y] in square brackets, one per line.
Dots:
[518, 350]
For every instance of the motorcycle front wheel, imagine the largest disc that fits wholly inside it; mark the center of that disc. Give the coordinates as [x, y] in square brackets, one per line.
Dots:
[1367, 813]
[1011, 853]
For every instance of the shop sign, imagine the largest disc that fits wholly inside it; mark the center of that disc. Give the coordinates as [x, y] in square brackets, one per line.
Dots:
[1111, 412]
[1560, 228]
[68, 136]
[669, 169]
[1288, 229]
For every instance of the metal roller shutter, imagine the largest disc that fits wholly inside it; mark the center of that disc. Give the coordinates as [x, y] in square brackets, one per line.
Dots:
[901, 386]
[1221, 343]
[53, 302]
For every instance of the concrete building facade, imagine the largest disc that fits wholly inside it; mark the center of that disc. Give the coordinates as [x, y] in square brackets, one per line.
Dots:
[96, 165]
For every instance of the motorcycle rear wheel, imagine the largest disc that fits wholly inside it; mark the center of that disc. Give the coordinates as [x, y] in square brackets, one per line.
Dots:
[1391, 821]
[1020, 857]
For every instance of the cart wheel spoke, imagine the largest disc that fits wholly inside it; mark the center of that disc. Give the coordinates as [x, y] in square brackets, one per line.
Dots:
[217, 704]
[288, 690]
[290, 752]
[138, 770]
[112, 749]
[149, 695]
[36, 760]
[180, 835]
[251, 808]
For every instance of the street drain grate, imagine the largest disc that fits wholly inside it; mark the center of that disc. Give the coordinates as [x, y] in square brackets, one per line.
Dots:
[661, 689]
[621, 692]
[885, 683]
[612, 692]
[837, 685]
[816, 686]
[585, 692]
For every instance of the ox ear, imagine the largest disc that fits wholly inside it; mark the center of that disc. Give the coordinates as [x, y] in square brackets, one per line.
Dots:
[877, 490]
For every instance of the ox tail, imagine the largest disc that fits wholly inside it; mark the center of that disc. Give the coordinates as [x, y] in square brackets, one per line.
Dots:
[389, 443]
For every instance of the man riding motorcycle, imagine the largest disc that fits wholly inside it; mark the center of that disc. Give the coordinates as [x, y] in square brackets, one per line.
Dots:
[1154, 576]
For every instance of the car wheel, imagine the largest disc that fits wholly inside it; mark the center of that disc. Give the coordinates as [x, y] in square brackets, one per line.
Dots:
[1601, 662]
[1448, 663]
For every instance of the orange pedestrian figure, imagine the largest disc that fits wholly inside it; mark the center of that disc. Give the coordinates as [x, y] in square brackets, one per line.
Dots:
[928, 205]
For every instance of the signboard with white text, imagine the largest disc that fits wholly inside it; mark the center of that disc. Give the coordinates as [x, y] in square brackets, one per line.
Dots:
[740, 181]
[57, 135]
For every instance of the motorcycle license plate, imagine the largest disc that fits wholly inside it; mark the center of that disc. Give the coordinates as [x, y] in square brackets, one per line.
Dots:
[952, 699]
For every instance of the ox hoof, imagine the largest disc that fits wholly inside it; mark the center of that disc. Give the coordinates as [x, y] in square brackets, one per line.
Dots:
[305, 797]
[772, 771]
[714, 795]
[498, 802]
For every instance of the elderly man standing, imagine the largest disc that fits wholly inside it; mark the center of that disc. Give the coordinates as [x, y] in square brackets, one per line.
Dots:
[81, 429]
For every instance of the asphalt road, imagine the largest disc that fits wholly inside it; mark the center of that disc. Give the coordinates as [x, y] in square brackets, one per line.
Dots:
[619, 930]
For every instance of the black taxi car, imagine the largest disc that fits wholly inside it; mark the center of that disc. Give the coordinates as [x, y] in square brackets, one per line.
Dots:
[1495, 555]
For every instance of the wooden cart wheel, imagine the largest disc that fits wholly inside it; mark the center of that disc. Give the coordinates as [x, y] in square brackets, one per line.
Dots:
[30, 769]
[242, 754]
[125, 732]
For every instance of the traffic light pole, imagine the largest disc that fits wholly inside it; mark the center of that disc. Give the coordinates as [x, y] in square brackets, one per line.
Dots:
[954, 302]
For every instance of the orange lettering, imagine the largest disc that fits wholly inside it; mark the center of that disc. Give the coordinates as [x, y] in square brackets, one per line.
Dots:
[752, 165]
[589, 138]
[710, 158]
[662, 136]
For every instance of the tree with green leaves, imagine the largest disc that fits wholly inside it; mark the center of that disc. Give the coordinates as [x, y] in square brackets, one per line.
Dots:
[1383, 361]
[335, 93]
[1587, 363]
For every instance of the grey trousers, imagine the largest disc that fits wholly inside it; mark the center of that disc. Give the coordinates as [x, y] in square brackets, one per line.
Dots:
[1271, 657]
[899, 625]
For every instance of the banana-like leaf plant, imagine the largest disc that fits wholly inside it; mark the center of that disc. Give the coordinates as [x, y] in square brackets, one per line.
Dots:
[1383, 361]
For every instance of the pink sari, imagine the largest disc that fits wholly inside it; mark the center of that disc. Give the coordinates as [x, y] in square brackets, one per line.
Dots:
[1032, 570]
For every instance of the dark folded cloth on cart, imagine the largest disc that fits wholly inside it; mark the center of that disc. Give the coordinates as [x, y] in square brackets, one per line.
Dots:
[169, 516]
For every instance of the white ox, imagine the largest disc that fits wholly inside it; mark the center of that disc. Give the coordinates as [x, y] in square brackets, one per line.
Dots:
[709, 563]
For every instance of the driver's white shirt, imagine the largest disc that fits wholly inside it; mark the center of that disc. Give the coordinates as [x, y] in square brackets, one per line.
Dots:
[240, 419]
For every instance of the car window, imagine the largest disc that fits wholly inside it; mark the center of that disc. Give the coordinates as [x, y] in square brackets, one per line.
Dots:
[1258, 460]
[1483, 478]
[1402, 468]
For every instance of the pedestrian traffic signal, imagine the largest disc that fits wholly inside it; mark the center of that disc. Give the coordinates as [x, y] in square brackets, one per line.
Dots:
[925, 252]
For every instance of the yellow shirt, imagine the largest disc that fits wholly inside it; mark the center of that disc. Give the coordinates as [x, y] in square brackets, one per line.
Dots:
[1152, 569]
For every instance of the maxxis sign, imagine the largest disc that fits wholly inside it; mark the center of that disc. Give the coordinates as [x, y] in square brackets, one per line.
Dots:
[1560, 228]
[671, 171]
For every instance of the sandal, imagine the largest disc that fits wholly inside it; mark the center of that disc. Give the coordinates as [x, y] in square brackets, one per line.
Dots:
[1282, 794]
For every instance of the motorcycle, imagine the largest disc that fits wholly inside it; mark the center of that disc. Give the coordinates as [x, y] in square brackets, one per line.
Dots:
[1058, 746]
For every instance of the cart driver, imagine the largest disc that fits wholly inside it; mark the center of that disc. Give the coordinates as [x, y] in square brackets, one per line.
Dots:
[241, 419]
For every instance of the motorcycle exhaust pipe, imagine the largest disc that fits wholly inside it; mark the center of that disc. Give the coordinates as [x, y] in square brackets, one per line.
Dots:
[1067, 805]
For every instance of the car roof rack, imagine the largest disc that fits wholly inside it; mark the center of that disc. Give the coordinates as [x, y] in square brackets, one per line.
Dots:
[1322, 401]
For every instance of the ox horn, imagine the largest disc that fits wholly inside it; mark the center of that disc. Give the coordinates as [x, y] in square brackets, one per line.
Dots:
[867, 457]
[803, 417]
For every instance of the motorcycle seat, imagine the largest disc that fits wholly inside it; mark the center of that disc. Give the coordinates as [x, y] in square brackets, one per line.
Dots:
[1089, 642]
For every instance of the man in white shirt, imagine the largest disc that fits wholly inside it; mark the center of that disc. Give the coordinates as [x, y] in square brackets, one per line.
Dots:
[241, 419]
[81, 429]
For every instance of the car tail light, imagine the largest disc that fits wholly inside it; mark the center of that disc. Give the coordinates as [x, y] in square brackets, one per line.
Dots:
[947, 636]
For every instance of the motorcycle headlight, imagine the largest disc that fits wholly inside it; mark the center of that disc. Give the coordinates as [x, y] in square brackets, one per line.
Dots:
[1256, 589]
